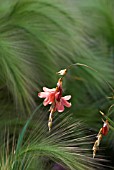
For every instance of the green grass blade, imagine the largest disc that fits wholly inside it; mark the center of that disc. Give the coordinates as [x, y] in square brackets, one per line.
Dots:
[21, 136]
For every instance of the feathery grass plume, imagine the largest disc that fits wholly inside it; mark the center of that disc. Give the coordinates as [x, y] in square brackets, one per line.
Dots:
[34, 38]
[30, 35]
[66, 144]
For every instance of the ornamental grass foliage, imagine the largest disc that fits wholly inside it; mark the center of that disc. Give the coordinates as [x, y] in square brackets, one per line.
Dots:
[37, 38]
[65, 146]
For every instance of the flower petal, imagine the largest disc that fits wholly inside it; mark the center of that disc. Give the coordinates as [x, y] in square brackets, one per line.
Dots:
[52, 97]
[65, 103]
[59, 107]
[43, 94]
[48, 90]
[67, 97]
[46, 102]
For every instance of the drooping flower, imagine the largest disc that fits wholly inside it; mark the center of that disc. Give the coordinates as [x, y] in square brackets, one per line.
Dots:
[54, 97]
[50, 94]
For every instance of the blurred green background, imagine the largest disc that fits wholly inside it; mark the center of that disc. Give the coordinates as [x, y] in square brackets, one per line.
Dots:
[39, 38]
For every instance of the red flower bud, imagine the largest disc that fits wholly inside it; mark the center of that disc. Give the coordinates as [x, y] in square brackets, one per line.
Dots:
[105, 128]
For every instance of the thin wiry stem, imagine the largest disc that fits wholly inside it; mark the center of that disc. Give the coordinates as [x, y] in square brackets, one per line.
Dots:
[80, 64]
